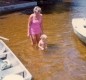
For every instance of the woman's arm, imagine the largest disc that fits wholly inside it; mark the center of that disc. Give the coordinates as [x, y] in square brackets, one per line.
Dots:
[29, 24]
[41, 24]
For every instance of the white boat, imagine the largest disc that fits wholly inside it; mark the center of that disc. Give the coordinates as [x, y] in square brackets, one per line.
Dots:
[10, 64]
[79, 27]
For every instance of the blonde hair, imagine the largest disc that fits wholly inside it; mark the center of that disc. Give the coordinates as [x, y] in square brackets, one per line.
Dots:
[43, 36]
[37, 9]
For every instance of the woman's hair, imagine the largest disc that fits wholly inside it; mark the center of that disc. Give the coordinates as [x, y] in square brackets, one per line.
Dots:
[37, 9]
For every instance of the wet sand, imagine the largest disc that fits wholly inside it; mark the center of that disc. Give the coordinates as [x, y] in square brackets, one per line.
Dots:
[65, 58]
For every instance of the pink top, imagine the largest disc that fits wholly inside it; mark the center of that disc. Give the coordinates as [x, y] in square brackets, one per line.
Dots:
[35, 27]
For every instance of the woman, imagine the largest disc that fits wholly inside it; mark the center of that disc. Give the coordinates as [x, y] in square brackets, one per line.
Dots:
[35, 26]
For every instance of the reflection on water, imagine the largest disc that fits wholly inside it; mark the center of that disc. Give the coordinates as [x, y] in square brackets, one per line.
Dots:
[66, 55]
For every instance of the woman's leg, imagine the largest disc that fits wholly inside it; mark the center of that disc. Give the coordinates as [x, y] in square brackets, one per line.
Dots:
[38, 38]
[33, 39]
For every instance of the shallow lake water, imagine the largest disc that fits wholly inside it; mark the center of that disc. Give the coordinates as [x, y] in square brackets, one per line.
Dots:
[65, 58]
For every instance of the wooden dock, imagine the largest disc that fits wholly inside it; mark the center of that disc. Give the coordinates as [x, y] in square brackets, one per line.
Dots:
[15, 7]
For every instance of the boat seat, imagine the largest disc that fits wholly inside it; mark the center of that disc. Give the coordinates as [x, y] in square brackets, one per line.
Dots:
[14, 70]
[3, 55]
[2, 50]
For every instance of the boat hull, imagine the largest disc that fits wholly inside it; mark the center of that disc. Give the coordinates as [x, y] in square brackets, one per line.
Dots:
[11, 64]
[79, 28]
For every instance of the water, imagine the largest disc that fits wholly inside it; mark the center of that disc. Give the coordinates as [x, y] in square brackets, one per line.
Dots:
[65, 58]
[79, 8]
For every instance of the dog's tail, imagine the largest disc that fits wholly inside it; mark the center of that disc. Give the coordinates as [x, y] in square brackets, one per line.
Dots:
[4, 38]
